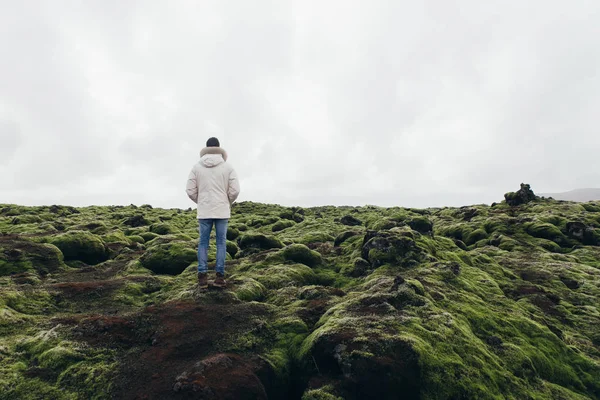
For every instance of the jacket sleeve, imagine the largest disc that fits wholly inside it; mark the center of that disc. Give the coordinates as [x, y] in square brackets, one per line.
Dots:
[192, 187]
[233, 190]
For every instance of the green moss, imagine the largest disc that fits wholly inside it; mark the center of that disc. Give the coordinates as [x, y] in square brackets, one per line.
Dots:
[232, 248]
[281, 225]
[475, 236]
[81, 246]
[136, 239]
[232, 233]
[420, 224]
[316, 237]
[259, 241]
[544, 231]
[148, 236]
[18, 256]
[26, 219]
[117, 237]
[162, 228]
[250, 290]
[168, 258]
[301, 254]
[322, 393]
[283, 275]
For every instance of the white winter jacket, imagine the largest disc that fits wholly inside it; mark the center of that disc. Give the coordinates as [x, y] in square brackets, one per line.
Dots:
[213, 184]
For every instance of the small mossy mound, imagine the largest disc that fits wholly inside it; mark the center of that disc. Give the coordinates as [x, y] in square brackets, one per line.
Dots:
[162, 228]
[475, 236]
[522, 196]
[148, 236]
[117, 237]
[284, 275]
[250, 290]
[81, 246]
[97, 228]
[295, 214]
[26, 219]
[350, 220]
[387, 247]
[259, 222]
[232, 233]
[281, 225]
[136, 221]
[545, 231]
[322, 393]
[18, 256]
[583, 233]
[316, 237]
[136, 239]
[300, 253]
[232, 248]
[168, 258]
[342, 237]
[259, 241]
[421, 224]
[358, 267]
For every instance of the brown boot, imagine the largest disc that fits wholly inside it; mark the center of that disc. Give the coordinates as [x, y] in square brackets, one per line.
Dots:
[202, 280]
[220, 280]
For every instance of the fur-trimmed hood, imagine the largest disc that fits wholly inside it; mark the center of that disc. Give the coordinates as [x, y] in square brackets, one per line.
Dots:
[214, 150]
[212, 156]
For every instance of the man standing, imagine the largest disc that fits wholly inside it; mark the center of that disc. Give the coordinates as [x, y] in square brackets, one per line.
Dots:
[213, 185]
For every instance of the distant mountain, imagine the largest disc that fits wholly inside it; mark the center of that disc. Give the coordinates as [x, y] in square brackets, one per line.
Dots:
[581, 195]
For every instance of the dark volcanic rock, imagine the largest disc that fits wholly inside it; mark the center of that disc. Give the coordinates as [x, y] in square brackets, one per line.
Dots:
[342, 237]
[136, 220]
[350, 220]
[585, 234]
[396, 248]
[522, 196]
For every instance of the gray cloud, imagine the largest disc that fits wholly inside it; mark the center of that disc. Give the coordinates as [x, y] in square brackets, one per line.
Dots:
[383, 102]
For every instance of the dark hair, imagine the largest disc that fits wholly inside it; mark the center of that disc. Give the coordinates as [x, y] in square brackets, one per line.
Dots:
[213, 142]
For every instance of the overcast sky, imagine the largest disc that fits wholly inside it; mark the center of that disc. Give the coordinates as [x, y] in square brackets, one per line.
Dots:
[393, 102]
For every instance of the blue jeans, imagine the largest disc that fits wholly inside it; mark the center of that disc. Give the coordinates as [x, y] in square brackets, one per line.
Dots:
[221, 231]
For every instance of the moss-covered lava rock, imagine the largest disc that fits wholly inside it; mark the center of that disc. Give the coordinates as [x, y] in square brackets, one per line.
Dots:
[475, 302]
[169, 258]
[82, 246]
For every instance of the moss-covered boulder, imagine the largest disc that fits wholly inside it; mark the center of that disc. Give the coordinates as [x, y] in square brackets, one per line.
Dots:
[420, 224]
[545, 231]
[387, 247]
[26, 219]
[342, 237]
[475, 236]
[232, 248]
[284, 275]
[583, 233]
[358, 267]
[248, 289]
[169, 258]
[300, 253]
[232, 233]
[294, 214]
[18, 256]
[281, 225]
[148, 236]
[81, 246]
[259, 241]
[522, 196]
[136, 239]
[136, 221]
[96, 227]
[350, 220]
[316, 237]
[162, 228]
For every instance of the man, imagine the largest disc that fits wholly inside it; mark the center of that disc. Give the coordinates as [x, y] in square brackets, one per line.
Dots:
[213, 185]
